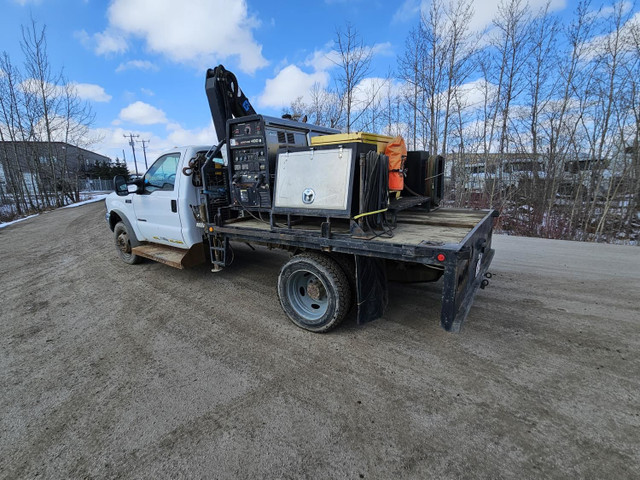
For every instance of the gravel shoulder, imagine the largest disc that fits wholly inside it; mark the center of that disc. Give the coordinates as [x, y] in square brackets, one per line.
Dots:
[115, 371]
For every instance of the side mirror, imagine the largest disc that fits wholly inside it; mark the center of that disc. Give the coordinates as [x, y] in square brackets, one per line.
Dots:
[120, 186]
[131, 188]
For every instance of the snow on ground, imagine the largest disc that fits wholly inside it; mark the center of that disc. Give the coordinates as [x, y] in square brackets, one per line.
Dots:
[97, 198]
[90, 199]
[6, 224]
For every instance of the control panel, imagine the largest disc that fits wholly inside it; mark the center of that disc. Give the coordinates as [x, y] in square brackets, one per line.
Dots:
[249, 164]
[252, 148]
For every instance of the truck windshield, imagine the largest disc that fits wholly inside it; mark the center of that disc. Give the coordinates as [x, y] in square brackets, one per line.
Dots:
[162, 174]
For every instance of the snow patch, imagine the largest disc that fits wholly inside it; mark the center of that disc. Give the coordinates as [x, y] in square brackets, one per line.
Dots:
[97, 198]
[6, 224]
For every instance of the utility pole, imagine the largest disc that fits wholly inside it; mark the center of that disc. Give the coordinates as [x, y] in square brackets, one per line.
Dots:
[144, 150]
[124, 159]
[133, 149]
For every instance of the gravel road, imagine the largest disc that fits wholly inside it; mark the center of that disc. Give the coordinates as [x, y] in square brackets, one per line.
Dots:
[116, 371]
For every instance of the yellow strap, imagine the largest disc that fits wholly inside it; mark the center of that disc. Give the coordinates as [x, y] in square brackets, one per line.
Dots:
[369, 213]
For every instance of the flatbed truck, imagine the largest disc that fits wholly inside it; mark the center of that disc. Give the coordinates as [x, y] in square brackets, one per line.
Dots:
[195, 202]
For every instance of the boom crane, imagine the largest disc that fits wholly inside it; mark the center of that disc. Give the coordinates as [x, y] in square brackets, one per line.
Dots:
[226, 99]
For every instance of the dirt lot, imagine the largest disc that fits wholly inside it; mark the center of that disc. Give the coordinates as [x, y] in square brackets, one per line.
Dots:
[109, 370]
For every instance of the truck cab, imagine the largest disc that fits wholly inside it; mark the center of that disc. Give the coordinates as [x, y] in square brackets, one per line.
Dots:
[158, 208]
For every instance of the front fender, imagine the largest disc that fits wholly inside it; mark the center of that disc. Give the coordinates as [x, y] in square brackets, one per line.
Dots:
[134, 234]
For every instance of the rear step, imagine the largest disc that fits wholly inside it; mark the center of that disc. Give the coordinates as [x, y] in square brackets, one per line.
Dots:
[219, 249]
[174, 257]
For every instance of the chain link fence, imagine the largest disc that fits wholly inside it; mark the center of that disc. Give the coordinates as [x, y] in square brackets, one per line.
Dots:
[95, 185]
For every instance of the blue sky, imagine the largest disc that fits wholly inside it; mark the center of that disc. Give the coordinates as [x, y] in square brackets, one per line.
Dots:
[141, 63]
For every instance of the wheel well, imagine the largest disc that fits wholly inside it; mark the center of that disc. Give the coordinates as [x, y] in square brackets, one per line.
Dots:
[113, 219]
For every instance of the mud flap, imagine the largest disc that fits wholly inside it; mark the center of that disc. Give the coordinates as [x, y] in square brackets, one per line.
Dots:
[371, 288]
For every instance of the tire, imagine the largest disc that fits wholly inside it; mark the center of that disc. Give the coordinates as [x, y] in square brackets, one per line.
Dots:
[314, 292]
[123, 244]
[348, 265]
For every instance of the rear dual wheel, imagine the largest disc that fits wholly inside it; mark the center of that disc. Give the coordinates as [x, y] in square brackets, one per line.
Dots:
[314, 291]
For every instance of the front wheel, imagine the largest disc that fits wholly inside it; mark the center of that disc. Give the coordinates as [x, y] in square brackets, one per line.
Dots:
[314, 291]
[123, 244]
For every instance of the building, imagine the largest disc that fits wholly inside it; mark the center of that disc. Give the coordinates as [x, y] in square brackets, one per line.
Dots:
[38, 166]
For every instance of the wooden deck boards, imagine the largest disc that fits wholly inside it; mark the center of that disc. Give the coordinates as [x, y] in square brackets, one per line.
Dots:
[413, 228]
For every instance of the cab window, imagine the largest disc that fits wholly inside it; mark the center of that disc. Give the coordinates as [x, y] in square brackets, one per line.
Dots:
[162, 174]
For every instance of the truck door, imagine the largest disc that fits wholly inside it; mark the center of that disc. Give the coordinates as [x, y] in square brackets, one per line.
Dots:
[156, 209]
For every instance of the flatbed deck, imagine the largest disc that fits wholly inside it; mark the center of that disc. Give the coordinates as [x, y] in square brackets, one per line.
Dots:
[444, 227]
[416, 230]
[456, 240]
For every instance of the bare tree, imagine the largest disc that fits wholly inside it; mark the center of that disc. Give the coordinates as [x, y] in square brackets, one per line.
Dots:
[324, 108]
[12, 132]
[42, 86]
[355, 64]
[411, 74]
[460, 53]
[40, 113]
[56, 114]
[553, 139]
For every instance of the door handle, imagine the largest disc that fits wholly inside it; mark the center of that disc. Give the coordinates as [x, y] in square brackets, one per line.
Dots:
[174, 206]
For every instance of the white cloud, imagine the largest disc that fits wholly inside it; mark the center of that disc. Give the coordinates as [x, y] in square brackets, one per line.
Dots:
[83, 37]
[141, 113]
[322, 60]
[84, 91]
[472, 94]
[290, 83]
[112, 142]
[147, 92]
[90, 91]
[109, 42]
[31, 85]
[137, 65]
[103, 43]
[384, 49]
[198, 32]
[600, 44]
[605, 11]
[179, 136]
[373, 89]
[409, 11]
[327, 58]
